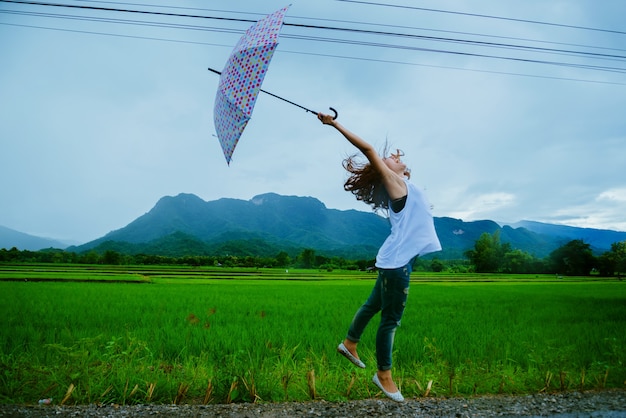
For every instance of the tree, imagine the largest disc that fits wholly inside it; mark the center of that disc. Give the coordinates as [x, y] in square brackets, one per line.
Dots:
[437, 266]
[307, 258]
[111, 257]
[573, 259]
[318, 260]
[613, 261]
[518, 262]
[282, 259]
[91, 257]
[488, 253]
[491, 256]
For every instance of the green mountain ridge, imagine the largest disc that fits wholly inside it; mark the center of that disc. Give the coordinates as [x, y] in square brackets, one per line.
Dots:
[270, 223]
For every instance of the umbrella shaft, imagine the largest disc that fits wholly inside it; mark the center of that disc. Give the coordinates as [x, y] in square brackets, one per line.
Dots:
[288, 101]
[273, 95]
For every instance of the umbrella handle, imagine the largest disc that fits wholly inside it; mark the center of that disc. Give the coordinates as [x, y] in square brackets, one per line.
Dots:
[335, 112]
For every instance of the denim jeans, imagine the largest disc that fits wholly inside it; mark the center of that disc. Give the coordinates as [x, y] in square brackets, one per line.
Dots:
[388, 297]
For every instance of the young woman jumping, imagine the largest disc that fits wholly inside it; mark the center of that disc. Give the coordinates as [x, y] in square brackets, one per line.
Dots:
[383, 182]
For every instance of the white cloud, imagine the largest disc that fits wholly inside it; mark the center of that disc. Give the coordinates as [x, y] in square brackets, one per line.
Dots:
[605, 211]
[484, 206]
[614, 195]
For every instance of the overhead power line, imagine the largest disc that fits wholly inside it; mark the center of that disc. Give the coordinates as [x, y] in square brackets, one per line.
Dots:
[339, 29]
[511, 19]
[110, 9]
[307, 26]
[361, 42]
[89, 32]
[169, 14]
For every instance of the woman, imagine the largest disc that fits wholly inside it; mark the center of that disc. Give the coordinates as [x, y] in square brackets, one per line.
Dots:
[383, 182]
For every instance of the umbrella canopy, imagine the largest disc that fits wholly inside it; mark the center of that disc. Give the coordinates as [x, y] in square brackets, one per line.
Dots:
[241, 79]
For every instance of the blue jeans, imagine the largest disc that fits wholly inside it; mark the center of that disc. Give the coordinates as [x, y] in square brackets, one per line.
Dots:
[388, 297]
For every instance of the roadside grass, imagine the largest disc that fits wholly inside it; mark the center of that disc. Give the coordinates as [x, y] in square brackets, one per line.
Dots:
[193, 335]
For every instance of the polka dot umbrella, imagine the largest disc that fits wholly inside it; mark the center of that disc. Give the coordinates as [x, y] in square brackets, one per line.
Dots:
[241, 79]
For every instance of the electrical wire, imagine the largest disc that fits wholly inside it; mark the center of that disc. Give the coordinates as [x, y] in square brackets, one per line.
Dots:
[393, 34]
[469, 54]
[350, 31]
[372, 24]
[149, 38]
[122, 21]
[510, 19]
[456, 68]
[109, 9]
[343, 57]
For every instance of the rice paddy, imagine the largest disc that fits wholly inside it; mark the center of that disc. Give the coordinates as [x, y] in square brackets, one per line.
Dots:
[85, 334]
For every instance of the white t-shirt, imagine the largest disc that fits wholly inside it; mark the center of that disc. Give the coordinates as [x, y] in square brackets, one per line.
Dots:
[412, 232]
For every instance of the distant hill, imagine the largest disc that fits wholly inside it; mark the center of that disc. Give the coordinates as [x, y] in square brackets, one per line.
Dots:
[10, 238]
[275, 223]
[270, 223]
[597, 238]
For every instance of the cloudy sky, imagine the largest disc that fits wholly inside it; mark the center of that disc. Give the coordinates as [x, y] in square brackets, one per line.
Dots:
[505, 110]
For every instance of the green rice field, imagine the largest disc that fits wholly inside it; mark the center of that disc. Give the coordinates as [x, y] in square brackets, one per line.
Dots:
[124, 334]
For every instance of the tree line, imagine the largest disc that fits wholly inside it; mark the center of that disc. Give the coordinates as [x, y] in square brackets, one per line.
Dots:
[574, 258]
[489, 255]
[308, 259]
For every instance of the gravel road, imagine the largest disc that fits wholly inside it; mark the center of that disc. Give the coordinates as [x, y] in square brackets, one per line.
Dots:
[601, 404]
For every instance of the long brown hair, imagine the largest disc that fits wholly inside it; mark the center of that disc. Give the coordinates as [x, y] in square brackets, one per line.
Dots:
[365, 182]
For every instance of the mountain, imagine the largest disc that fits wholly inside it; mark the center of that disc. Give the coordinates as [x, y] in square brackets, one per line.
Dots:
[457, 236]
[596, 238]
[270, 223]
[10, 238]
[282, 222]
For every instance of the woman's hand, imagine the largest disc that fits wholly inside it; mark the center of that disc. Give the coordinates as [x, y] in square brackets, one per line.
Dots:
[326, 119]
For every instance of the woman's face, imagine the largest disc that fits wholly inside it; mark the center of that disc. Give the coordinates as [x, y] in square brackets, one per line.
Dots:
[395, 163]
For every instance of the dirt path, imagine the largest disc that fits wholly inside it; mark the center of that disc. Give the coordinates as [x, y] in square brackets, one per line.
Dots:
[603, 404]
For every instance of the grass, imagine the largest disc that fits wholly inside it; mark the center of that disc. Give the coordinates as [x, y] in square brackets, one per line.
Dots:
[184, 335]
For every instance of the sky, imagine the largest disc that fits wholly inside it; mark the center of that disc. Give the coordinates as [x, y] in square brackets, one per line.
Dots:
[505, 110]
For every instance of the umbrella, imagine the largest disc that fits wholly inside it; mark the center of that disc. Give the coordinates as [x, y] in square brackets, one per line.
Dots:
[241, 79]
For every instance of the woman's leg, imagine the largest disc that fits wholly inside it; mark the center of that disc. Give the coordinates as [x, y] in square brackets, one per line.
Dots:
[394, 292]
[365, 313]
